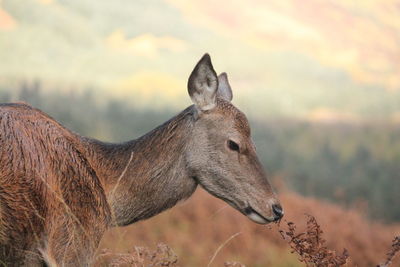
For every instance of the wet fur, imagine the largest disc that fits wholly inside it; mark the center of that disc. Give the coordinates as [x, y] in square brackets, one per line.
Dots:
[59, 192]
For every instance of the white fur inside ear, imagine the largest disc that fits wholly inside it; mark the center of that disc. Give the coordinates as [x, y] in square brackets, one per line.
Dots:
[204, 100]
[203, 84]
[208, 107]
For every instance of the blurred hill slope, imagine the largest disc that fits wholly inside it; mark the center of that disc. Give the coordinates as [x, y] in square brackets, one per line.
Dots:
[196, 228]
[285, 58]
[352, 164]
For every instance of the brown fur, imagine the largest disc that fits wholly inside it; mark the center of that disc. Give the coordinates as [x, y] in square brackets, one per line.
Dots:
[50, 196]
[54, 185]
[59, 192]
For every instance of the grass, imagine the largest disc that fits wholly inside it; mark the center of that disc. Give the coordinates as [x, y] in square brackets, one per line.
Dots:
[198, 230]
[310, 247]
[163, 255]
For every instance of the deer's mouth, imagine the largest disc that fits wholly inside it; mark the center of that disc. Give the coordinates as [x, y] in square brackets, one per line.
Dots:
[255, 216]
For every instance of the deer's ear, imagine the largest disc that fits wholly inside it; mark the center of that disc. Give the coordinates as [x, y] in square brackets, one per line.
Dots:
[203, 84]
[224, 88]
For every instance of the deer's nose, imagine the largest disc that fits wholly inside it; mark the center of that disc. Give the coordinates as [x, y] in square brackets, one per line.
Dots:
[278, 211]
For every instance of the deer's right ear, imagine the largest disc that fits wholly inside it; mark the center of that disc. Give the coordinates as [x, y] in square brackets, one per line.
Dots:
[203, 84]
[224, 89]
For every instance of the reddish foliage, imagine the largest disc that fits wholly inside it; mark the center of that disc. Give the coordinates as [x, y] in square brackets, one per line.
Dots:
[310, 245]
[162, 256]
[198, 227]
[394, 249]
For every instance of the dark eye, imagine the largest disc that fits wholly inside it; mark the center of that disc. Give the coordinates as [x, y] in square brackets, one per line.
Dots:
[233, 145]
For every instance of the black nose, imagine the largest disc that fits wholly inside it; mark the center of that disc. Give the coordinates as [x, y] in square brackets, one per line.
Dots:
[278, 211]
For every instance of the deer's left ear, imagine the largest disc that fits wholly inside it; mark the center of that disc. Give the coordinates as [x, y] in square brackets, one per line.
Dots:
[224, 88]
[203, 84]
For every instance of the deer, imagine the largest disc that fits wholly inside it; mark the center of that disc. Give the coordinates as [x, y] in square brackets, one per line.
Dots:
[60, 192]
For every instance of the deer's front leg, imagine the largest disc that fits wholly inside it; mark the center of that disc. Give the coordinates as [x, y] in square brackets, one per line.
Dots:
[72, 244]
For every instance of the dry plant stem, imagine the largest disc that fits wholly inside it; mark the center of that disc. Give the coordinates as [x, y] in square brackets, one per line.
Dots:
[162, 256]
[394, 249]
[221, 246]
[310, 245]
[233, 264]
[67, 208]
[118, 181]
[113, 217]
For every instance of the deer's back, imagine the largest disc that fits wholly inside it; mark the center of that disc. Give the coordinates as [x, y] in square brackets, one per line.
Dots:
[46, 183]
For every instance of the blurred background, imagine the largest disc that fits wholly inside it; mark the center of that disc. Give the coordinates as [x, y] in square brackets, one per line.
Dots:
[318, 79]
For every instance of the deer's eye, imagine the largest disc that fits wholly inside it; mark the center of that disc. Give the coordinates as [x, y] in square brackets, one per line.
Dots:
[233, 145]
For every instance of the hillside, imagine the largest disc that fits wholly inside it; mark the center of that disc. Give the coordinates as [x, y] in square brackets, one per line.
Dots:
[318, 79]
[319, 60]
[195, 230]
[354, 164]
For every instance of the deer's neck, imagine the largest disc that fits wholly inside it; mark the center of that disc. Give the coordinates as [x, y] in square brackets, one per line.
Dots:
[145, 176]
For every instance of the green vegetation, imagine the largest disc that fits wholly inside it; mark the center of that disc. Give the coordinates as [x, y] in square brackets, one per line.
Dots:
[350, 164]
[353, 164]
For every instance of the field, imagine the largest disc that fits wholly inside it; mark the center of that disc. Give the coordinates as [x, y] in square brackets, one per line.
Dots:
[318, 79]
[204, 226]
[197, 228]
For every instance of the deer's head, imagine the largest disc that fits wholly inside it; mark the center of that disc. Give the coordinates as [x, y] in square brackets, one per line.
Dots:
[221, 156]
